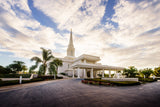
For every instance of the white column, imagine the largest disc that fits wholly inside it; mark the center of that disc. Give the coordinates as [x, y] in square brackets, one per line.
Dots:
[73, 74]
[109, 74]
[103, 73]
[20, 80]
[91, 73]
[84, 60]
[78, 72]
[122, 71]
[85, 76]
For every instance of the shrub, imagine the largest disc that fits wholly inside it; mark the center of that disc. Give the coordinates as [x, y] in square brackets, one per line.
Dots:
[63, 73]
[13, 82]
[147, 79]
[15, 75]
[110, 83]
[49, 77]
[32, 80]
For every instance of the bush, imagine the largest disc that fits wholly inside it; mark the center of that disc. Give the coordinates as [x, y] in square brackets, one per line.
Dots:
[15, 75]
[32, 80]
[14, 82]
[64, 74]
[49, 77]
[147, 79]
[111, 83]
[5, 83]
[125, 83]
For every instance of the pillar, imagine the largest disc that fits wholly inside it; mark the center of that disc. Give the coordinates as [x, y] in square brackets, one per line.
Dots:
[73, 74]
[103, 73]
[109, 74]
[78, 73]
[85, 76]
[122, 71]
[92, 73]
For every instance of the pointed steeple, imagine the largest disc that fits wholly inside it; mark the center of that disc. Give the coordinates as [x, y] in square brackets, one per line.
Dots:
[71, 49]
[71, 40]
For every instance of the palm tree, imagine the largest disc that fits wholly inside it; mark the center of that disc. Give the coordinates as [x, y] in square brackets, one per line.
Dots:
[147, 72]
[24, 68]
[46, 57]
[16, 66]
[53, 66]
[130, 72]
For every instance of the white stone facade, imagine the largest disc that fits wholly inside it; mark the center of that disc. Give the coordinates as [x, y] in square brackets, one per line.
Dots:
[84, 66]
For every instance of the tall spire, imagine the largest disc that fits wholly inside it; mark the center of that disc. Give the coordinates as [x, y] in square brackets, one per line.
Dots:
[71, 40]
[71, 49]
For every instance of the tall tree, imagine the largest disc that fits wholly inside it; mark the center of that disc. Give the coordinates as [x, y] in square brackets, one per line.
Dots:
[130, 72]
[147, 72]
[53, 66]
[24, 68]
[16, 66]
[46, 57]
[157, 71]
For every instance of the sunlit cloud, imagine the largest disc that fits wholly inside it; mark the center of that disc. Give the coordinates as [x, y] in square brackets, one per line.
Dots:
[130, 36]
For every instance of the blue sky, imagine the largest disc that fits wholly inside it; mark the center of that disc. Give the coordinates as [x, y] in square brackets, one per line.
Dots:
[121, 32]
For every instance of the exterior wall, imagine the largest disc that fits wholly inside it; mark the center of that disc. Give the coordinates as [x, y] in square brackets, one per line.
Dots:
[66, 66]
[79, 61]
[90, 62]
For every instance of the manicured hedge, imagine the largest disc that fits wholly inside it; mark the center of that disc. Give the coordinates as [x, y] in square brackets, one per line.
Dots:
[15, 75]
[13, 82]
[49, 77]
[109, 83]
[147, 79]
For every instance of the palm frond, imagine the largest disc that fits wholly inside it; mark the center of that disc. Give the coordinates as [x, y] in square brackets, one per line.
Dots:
[49, 57]
[33, 67]
[41, 70]
[37, 59]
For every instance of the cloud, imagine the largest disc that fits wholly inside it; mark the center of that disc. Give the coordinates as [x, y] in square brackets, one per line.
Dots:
[134, 41]
[22, 35]
[80, 15]
[138, 33]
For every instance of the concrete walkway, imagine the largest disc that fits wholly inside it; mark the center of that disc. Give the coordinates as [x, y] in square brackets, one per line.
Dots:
[72, 93]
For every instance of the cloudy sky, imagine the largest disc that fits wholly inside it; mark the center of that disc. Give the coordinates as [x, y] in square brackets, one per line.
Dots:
[121, 32]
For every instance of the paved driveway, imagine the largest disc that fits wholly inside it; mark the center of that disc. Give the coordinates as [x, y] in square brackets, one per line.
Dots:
[72, 93]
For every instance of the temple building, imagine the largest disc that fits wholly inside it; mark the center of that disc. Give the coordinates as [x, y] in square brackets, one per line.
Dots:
[84, 66]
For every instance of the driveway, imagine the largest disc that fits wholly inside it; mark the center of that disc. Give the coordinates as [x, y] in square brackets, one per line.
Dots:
[72, 93]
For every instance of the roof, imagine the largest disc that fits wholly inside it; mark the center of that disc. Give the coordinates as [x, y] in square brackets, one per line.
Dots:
[96, 66]
[87, 57]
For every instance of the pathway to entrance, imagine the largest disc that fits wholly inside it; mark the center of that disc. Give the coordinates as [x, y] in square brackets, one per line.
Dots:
[72, 93]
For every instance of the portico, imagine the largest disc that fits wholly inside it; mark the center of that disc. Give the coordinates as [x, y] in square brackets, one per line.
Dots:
[93, 68]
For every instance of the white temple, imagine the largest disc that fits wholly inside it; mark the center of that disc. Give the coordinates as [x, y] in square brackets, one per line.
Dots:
[84, 66]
